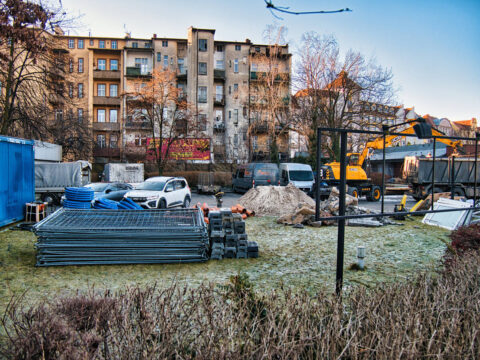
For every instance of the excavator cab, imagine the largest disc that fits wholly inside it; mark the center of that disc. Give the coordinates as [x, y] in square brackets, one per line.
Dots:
[353, 159]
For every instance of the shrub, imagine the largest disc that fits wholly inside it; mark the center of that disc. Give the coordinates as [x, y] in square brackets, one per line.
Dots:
[466, 238]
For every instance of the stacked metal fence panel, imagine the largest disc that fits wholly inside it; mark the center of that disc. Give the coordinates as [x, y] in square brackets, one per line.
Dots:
[96, 237]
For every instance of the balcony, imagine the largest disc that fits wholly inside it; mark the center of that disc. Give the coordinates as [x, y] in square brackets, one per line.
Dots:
[106, 74]
[182, 74]
[219, 74]
[133, 71]
[106, 126]
[56, 99]
[106, 152]
[138, 125]
[218, 149]
[107, 100]
[218, 101]
[219, 126]
[261, 75]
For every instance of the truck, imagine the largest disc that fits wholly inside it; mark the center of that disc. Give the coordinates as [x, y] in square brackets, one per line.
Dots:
[357, 180]
[51, 179]
[418, 172]
[124, 172]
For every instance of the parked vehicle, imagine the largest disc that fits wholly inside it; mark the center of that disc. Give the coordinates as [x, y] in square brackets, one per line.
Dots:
[127, 173]
[51, 179]
[161, 192]
[418, 173]
[255, 174]
[300, 175]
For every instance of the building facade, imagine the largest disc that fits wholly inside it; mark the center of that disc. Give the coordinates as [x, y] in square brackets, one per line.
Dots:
[216, 78]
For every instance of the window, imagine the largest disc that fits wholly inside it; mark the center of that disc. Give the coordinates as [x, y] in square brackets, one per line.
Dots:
[254, 67]
[202, 68]
[80, 65]
[159, 57]
[202, 44]
[102, 64]
[181, 66]
[164, 43]
[218, 93]
[113, 141]
[113, 65]
[235, 88]
[238, 47]
[70, 65]
[235, 116]
[101, 115]
[59, 115]
[181, 90]
[114, 44]
[113, 90]
[100, 89]
[80, 90]
[257, 48]
[134, 44]
[91, 42]
[235, 66]
[71, 43]
[235, 139]
[229, 114]
[101, 44]
[165, 61]
[147, 45]
[80, 115]
[70, 90]
[220, 48]
[80, 44]
[202, 122]
[202, 94]
[220, 64]
[113, 115]
[142, 63]
[101, 142]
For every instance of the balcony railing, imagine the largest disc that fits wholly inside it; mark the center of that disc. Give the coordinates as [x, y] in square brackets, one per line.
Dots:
[106, 126]
[106, 74]
[259, 75]
[219, 74]
[218, 100]
[106, 152]
[182, 74]
[107, 100]
[138, 125]
[219, 126]
[137, 72]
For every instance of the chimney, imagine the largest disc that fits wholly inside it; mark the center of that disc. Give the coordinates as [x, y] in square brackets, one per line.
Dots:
[154, 36]
[248, 41]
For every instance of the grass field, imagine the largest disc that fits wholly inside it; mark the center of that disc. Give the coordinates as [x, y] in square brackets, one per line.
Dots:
[288, 257]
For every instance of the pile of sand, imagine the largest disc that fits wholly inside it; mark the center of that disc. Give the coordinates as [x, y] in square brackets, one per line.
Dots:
[275, 200]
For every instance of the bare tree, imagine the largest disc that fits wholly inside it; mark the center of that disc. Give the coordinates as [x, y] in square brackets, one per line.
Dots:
[334, 89]
[269, 90]
[159, 102]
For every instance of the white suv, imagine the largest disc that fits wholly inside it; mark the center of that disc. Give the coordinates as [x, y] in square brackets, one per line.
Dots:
[161, 192]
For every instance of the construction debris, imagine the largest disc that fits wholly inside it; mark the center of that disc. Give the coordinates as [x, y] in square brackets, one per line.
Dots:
[275, 200]
[305, 214]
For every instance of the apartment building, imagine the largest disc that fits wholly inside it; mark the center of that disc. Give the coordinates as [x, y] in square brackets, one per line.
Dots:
[215, 77]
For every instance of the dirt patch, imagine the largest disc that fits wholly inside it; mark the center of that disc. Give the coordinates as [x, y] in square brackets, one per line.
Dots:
[275, 200]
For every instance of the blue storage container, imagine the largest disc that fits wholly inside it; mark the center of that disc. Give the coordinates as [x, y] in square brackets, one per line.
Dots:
[17, 178]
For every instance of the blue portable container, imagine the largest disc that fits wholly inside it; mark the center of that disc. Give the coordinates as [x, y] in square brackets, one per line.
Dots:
[17, 179]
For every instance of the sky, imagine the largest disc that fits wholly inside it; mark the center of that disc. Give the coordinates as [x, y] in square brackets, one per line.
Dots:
[431, 46]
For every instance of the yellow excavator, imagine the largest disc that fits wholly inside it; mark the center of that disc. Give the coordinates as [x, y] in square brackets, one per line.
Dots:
[357, 180]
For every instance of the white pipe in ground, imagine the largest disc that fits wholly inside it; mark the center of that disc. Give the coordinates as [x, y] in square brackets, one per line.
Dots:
[361, 257]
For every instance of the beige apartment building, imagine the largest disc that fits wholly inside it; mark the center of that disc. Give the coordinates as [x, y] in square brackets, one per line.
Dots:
[217, 79]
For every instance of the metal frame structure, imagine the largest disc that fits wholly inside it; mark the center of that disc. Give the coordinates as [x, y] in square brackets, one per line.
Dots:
[343, 180]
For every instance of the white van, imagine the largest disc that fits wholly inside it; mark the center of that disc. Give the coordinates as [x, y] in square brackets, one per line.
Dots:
[300, 175]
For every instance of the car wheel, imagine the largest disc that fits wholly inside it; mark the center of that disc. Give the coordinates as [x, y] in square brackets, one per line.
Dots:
[186, 202]
[162, 204]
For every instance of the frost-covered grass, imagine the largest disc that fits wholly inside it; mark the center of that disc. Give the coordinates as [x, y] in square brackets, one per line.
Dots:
[288, 257]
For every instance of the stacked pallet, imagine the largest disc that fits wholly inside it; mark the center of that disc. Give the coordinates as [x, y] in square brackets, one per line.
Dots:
[227, 236]
[98, 237]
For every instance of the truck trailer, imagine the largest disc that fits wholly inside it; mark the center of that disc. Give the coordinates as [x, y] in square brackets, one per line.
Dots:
[453, 172]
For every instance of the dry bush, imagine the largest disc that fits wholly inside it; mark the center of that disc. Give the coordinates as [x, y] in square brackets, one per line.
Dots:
[431, 316]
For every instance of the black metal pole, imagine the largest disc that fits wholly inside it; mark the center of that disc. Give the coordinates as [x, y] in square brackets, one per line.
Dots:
[452, 178]
[317, 180]
[477, 135]
[341, 212]
[433, 169]
[384, 128]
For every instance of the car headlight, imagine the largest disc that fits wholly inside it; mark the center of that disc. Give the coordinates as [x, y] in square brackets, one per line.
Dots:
[151, 198]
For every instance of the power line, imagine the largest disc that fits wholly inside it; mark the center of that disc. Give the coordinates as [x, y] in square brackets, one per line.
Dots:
[285, 10]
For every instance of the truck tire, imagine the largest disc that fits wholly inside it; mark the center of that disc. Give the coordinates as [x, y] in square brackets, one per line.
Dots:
[375, 194]
[353, 191]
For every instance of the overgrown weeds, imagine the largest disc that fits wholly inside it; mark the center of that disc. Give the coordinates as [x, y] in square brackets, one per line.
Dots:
[435, 315]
